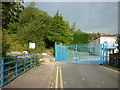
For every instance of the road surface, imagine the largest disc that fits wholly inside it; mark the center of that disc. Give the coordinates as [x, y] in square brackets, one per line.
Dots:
[76, 75]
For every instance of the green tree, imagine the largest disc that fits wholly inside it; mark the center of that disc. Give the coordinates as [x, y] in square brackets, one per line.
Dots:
[80, 37]
[10, 15]
[59, 32]
[10, 12]
[93, 35]
[34, 25]
[72, 29]
[5, 44]
[13, 28]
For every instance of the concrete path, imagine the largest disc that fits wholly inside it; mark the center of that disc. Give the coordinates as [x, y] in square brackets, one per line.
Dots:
[37, 77]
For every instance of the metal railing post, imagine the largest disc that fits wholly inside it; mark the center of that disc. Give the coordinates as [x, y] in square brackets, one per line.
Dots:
[35, 57]
[2, 73]
[56, 52]
[76, 54]
[101, 54]
[16, 65]
[106, 56]
[30, 61]
[24, 63]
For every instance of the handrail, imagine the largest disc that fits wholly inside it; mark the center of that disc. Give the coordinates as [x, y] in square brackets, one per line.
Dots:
[17, 66]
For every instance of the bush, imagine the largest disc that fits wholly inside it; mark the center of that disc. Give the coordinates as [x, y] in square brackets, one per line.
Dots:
[52, 50]
[38, 62]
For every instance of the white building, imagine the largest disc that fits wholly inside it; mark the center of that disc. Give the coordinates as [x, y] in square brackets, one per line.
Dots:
[110, 39]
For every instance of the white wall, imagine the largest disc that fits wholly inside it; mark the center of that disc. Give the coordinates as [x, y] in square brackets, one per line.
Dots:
[111, 42]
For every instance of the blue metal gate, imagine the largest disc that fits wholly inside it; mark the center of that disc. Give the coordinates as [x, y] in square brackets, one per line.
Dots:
[90, 54]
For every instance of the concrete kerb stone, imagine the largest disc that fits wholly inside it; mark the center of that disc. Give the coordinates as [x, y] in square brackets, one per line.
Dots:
[52, 78]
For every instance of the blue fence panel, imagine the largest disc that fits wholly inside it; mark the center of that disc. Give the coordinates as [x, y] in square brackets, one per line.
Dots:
[101, 54]
[60, 52]
[56, 53]
[14, 66]
[91, 54]
[64, 53]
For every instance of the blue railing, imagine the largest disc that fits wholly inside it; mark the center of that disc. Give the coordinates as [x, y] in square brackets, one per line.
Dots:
[13, 66]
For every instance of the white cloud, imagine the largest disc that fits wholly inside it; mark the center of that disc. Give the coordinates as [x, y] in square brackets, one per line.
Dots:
[103, 30]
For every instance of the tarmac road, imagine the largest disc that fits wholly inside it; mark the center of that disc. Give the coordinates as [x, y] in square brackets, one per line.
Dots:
[76, 75]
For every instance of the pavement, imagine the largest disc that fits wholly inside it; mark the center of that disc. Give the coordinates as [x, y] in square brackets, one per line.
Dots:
[76, 75]
[37, 77]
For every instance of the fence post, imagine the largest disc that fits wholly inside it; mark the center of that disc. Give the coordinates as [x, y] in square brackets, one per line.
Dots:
[16, 67]
[56, 53]
[106, 56]
[106, 52]
[2, 73]
[61, 52]
[30, 61]
[101, 54]
[76, 54]
[24, 63]
[35, 57]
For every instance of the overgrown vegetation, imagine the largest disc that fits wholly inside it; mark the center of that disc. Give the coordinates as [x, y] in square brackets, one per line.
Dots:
[22, 25]
[10, 15]
[58, 31]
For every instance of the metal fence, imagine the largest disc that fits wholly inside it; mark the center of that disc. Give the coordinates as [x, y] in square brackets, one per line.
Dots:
[90, 54]
[14, 66]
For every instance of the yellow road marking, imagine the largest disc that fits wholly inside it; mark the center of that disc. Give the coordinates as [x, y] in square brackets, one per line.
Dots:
[56, 82]
[110, 69]
[61, 80]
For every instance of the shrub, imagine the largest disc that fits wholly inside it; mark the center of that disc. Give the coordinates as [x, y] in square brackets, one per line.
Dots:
[52, 50]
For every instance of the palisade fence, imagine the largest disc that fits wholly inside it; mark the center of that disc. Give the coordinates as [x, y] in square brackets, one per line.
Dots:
[90, 54]
[13, 66]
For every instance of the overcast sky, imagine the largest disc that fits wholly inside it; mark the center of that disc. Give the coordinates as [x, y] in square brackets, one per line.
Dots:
[89, 16]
